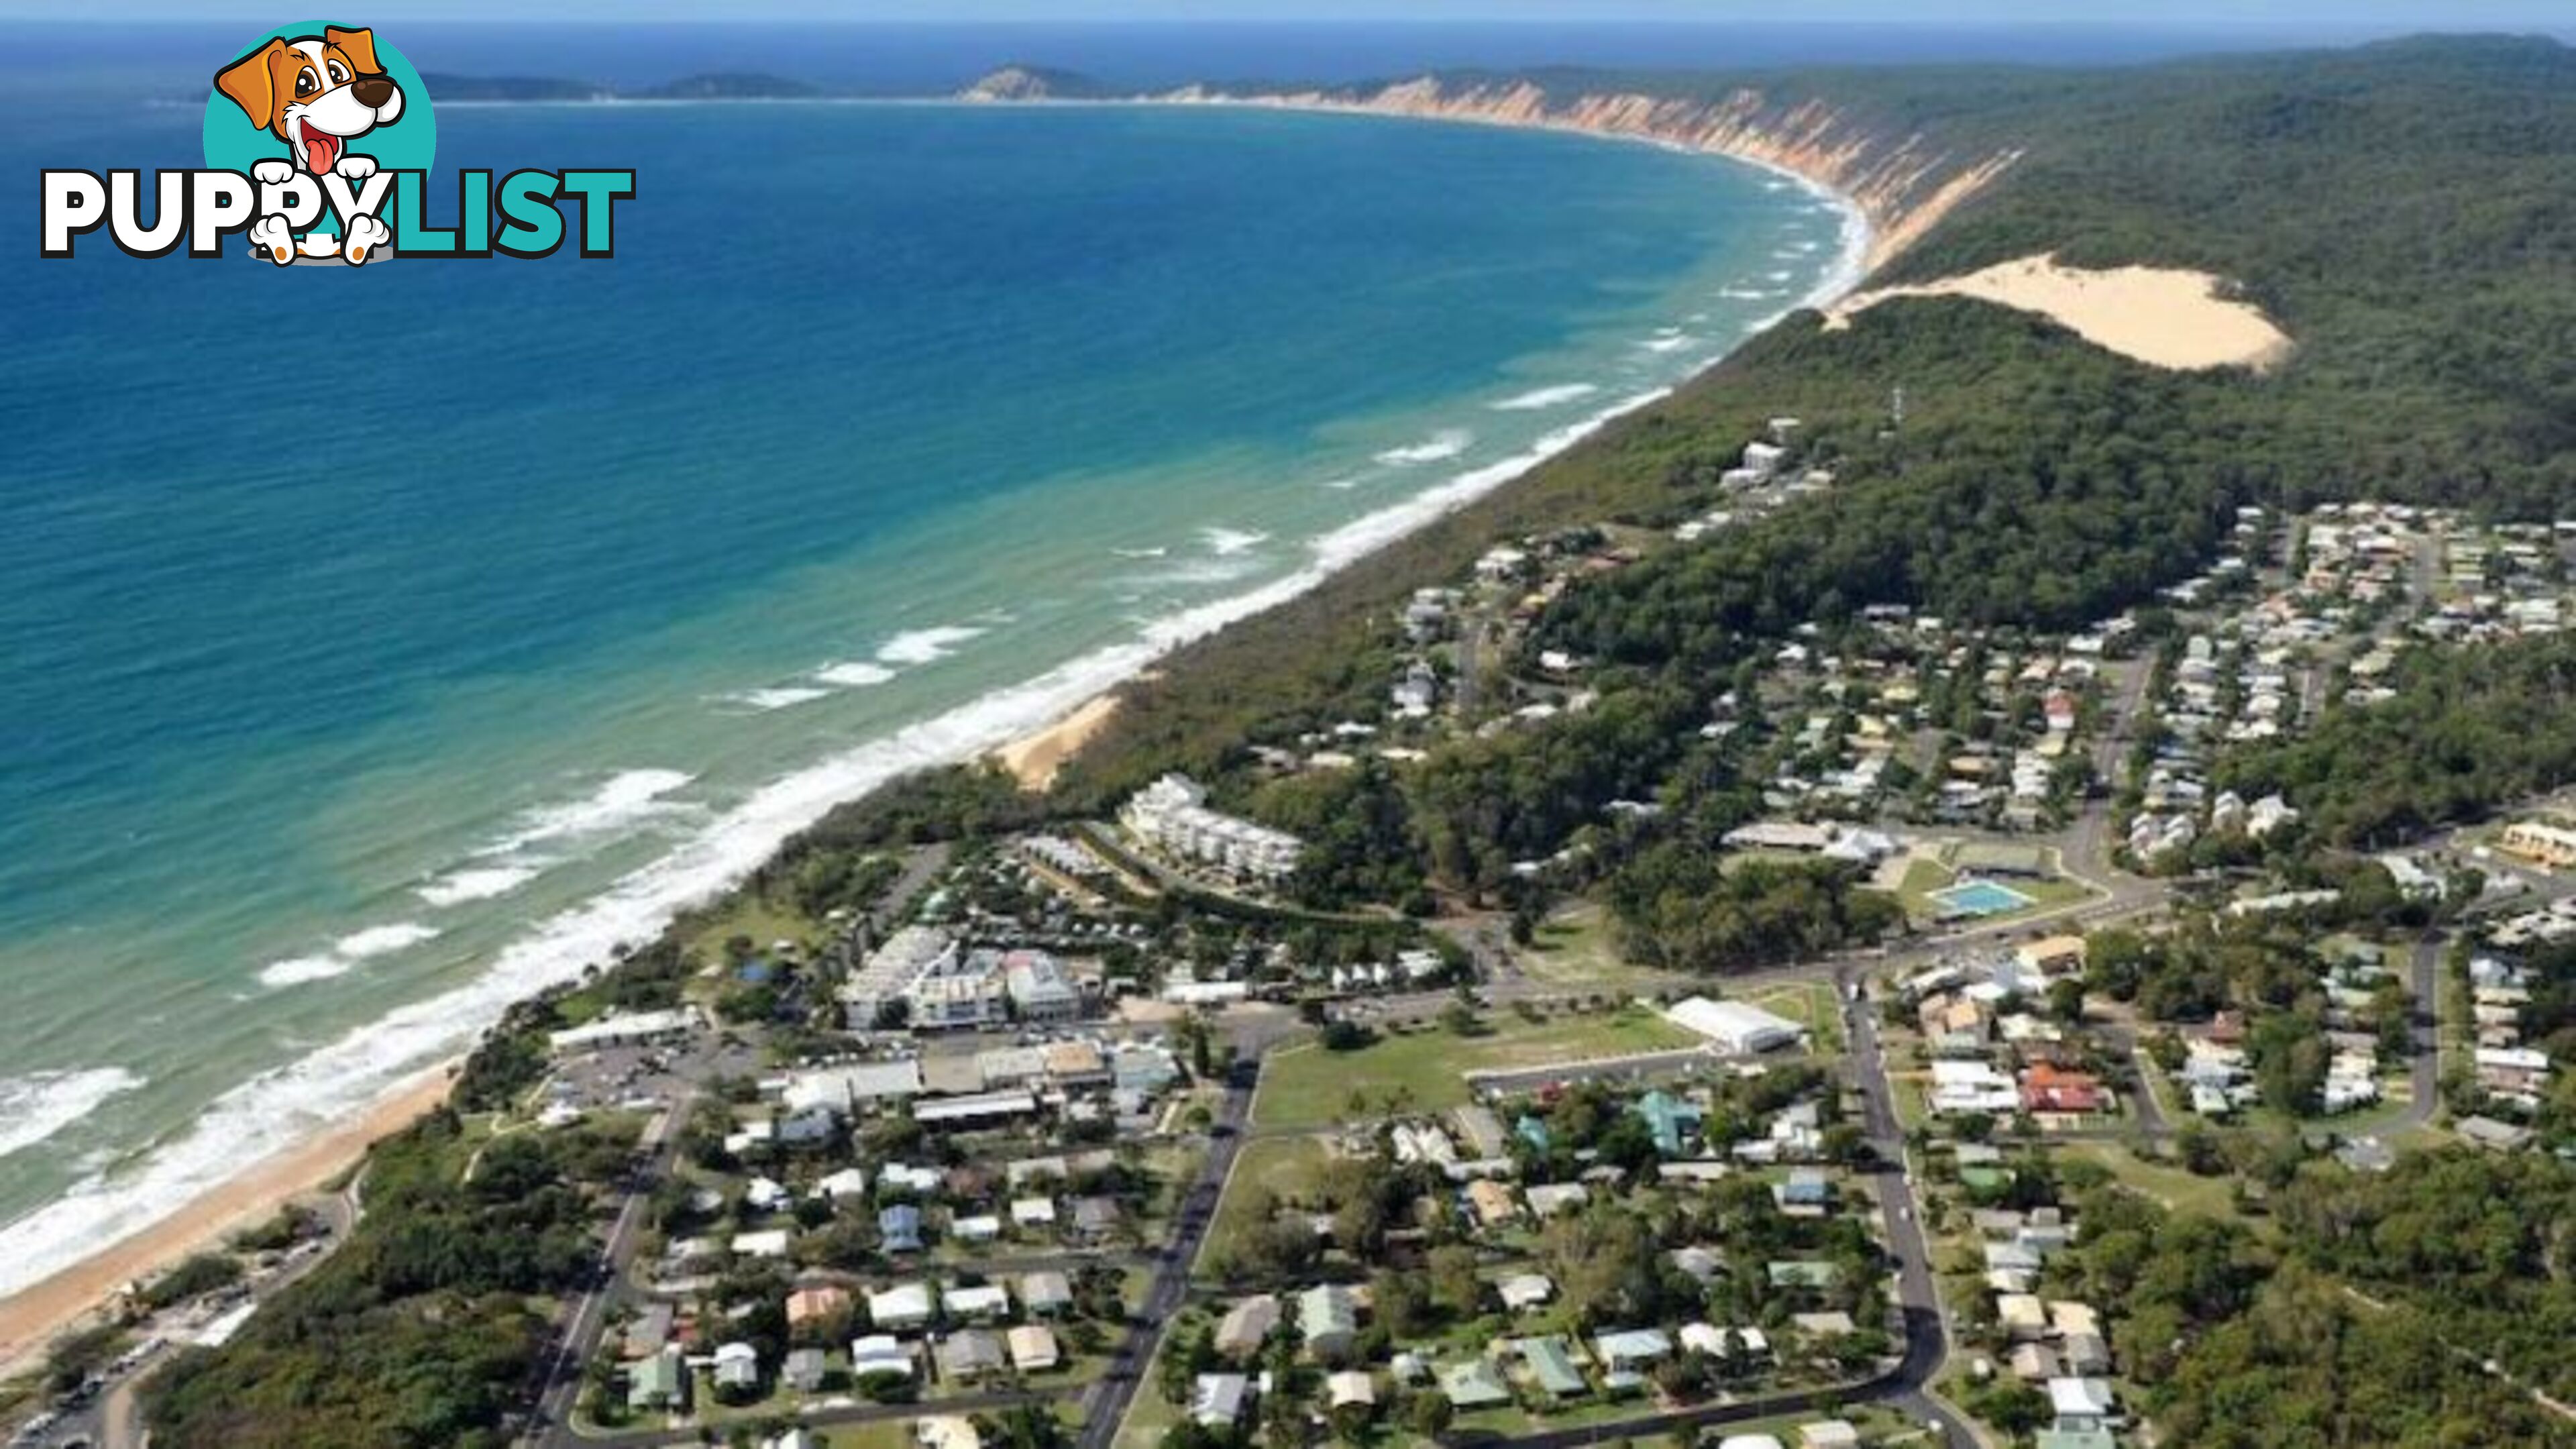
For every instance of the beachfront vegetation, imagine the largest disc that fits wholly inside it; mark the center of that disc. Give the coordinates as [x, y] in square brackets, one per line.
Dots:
[421, 1329]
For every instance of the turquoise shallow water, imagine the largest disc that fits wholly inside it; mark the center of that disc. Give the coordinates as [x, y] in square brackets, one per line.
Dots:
[379, 656]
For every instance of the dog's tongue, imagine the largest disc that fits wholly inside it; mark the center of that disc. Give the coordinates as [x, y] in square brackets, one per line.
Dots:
[321, 151]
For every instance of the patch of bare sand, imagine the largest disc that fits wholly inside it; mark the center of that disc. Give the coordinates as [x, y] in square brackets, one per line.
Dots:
[1033, 760]
[2161, 316]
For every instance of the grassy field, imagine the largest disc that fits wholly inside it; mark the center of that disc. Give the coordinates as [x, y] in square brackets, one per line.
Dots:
[2179, 1191]
[746, 915]
[1310, 1087]
[1283, 1166]
[1809, 1003]
[1574, 949]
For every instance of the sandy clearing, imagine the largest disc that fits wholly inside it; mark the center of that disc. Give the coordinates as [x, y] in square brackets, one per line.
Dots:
[2165, 317]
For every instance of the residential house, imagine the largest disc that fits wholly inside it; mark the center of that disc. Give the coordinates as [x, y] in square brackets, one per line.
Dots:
[903, 1307]
[1551, 1366]
[899, 1227]
[1247, 1325]
[1096, 1219]
[1349, 1388]
[969, 1355]
[1629, 1352]
[1046, 1292]
[1673, 1121]
[1546, 1200]
[815, 1306]
[1472, 1385]
[1328, 1320]
[1033, 1348]
[805, 1370]
[659, 1384]
[984, 1300]
[1492, 1203]
[1523, 1292]
[878, 1354]
[737, 1367]
[1217, 1400]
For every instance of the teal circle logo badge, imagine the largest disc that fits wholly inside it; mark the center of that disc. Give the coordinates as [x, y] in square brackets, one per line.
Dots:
[321, 116]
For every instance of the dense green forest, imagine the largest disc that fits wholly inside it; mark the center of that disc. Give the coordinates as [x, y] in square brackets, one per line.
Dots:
[2240, 1344]
[2468, 730]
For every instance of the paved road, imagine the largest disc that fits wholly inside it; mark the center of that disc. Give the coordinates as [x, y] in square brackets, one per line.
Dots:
[1107, 1404]
[1927, 1338]
[2426, 1070]
[561, 1382]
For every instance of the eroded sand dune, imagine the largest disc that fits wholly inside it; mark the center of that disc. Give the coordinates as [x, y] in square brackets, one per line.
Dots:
[2162, 316]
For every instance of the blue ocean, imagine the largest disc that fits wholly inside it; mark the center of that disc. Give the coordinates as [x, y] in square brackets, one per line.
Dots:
[384, 644]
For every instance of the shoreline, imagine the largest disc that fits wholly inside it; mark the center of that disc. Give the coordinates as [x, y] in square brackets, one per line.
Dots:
[86, 1291]
[1032, 727]
[1035, 759]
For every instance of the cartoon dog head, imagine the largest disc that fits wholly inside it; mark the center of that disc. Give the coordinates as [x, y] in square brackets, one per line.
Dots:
[316, 93]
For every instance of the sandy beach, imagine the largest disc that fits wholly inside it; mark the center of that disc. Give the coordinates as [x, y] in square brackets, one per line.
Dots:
[1034, 759]
[2161, 316]
[71, 1298]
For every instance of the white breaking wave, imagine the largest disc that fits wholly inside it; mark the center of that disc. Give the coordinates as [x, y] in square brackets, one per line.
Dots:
[383, 940]
[299, 970]
[626, 798]
[922, 646]
[1140, 552]
[477, 883]
[856, 674]
[1342, 484]
[1545, 397]
[40, 1104]
[781, 696]
[1668, 342]
[1778, 276]
[1745, 294]
[1227, 542]
[1436, 448]
[345, 954]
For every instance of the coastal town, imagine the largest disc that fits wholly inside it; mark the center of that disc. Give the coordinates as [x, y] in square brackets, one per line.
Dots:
[1097, 1124]
[1996, 872]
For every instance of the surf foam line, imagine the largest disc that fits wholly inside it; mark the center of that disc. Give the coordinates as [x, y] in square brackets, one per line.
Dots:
[40, 1104]
[278, 1109]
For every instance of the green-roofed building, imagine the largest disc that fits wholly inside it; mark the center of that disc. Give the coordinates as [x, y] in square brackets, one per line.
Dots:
[1551, 1363]
[658, 1383]
[1672, 1120]
[1473, 1384]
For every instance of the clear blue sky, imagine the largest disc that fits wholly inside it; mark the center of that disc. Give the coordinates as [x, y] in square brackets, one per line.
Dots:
[2335, 17]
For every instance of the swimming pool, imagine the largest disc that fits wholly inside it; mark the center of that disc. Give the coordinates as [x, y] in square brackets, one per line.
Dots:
[1979, 898]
